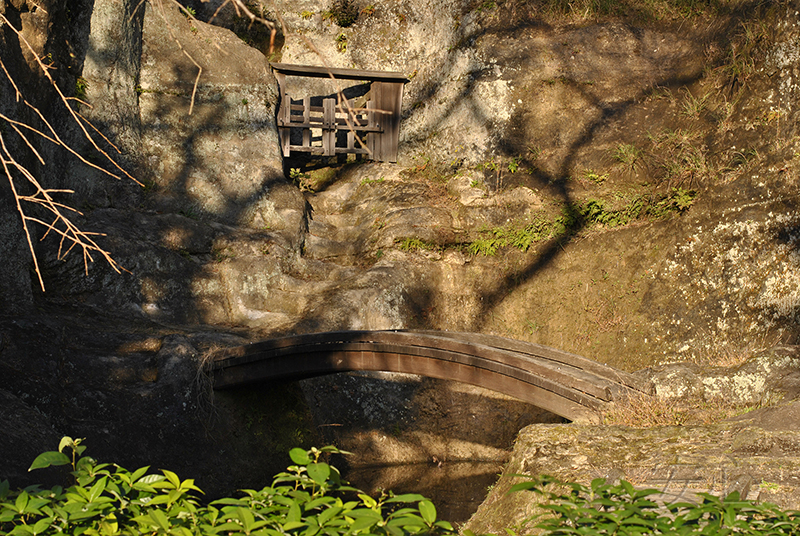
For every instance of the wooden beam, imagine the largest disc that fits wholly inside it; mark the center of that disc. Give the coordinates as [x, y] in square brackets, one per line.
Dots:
[313, 71]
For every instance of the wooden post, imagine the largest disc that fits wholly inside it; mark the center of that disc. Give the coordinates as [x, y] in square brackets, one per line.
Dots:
[350, 123]
[389, 99]
[284, 115]
[328, 127]
[306, 120]
[371, 136]
[286, 118]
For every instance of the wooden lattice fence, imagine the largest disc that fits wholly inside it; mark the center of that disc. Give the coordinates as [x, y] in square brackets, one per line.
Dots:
[338, 126]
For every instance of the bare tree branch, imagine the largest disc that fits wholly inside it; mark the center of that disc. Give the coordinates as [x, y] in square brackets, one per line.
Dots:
[71, 236]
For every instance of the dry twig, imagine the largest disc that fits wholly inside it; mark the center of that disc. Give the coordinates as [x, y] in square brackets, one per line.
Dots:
[59, 221]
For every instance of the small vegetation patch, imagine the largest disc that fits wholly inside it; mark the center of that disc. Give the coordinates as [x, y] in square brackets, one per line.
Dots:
[628, 155]
[341, 42]
[486, 5]
[344, 13]
[645, 11]
[415, 244]
[574, 218]
[680, 157]
[81, 86]
[303, 180]
[694, 106]
[592, 176]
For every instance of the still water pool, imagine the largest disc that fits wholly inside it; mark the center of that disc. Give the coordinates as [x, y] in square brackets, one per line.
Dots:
[457, 489]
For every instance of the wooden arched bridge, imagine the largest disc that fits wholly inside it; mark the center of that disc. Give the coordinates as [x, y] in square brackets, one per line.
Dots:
[565, 384]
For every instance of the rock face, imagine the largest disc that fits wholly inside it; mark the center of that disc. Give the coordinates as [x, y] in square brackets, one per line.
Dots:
[195, 107]
[501, 99]
[236, 243]
[213, 145]
[766, 379]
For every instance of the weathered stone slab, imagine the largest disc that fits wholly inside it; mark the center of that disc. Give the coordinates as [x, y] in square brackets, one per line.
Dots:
[762, 464]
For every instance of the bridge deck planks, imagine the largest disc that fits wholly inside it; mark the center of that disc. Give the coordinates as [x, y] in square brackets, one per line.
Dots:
[566, 384]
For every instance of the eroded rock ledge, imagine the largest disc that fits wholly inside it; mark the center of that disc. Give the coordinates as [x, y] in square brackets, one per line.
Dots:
[758, 455]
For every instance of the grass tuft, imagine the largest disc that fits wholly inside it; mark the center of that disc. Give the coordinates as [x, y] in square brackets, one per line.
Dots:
[650, 411]
[628, 155]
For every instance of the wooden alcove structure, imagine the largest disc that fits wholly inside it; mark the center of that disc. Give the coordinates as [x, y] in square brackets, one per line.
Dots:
[376, 123]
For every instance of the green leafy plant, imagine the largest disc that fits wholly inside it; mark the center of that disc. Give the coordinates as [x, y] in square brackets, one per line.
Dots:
[769, 486]
[81, 85]
[591, 213]
[513, 165]
[486, 5]
[677, 201]
[414, 244]
[606, 509]
[491, 165]
[593, 176]
[680, 199]
[341, 42]
[302, 180]
[368, 10]
[308, 498]
[305, 14]
[189, 12]
[488, 244]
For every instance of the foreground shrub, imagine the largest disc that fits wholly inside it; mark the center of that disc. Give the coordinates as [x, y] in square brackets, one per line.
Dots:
[308, 499]
[605, 509]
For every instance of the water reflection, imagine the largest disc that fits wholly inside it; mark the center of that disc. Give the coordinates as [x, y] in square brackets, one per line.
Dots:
[457, 489]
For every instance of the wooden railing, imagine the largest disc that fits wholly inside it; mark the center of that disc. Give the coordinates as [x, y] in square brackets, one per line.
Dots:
[371, 129]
